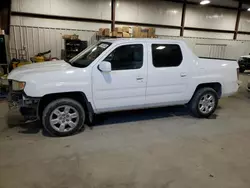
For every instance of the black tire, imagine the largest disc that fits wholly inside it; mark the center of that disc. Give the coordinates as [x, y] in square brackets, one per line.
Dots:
[242, 70]
[194, 103]
[54, 105]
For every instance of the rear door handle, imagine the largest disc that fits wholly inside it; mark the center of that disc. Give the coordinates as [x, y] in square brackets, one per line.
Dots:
[139, 79]
[183, 74]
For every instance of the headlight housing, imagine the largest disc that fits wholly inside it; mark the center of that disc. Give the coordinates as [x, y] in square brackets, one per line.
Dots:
[17, 86]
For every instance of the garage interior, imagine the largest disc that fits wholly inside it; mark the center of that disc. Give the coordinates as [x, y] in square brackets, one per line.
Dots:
[161, 147]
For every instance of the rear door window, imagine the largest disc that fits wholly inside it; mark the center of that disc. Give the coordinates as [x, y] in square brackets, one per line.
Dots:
[166, 55]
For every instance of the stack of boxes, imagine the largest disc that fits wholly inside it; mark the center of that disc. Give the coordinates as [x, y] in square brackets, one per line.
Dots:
[104, 32]
[128, 32]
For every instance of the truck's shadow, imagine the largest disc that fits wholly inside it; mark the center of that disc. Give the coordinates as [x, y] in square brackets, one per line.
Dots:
[139, 115]
[108, 118]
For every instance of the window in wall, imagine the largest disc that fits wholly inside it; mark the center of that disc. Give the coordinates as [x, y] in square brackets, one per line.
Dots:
[166, 55]
[126, 57]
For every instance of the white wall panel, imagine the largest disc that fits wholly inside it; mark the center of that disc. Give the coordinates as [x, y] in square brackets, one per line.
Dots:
[37, 22]
[244, 24]
[245, 6]
[211, 50]
[100, 9]
[40, 39]
[212, 18]
[169, 32]
[155, 12]
[227, 3]
[233, 50]
[38, 35]
[203, 34]
[243, 37]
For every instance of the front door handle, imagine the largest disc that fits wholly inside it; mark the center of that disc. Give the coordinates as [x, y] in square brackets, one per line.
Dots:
[183, 74]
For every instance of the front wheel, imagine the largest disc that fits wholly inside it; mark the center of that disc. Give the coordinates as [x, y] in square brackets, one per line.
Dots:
[204, 103]
[63, 117]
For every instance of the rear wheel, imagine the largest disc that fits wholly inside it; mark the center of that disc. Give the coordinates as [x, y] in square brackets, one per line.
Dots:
[63, 117]
[204, 102]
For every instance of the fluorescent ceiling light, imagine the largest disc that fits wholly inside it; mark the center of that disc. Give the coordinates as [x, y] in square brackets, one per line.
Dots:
[160, 47]
[248, 9]
[204, 2]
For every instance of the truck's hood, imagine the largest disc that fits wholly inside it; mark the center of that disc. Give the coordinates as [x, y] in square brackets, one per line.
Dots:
[37, 68]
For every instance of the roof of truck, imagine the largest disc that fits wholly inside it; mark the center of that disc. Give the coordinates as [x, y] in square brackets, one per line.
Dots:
[121, 40]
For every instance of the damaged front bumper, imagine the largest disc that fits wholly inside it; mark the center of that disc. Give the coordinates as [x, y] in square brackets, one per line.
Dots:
[27, 106]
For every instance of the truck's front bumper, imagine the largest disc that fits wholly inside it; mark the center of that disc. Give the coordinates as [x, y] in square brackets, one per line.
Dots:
[27, 106]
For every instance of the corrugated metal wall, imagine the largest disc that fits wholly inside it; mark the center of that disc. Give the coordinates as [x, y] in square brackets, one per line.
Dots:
[40, 39]
[40, 34]
[232, 49]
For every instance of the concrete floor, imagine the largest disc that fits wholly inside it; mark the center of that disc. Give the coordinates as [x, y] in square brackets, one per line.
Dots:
[163, 148]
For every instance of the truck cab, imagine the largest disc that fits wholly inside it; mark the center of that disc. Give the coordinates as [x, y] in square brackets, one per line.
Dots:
[120, 74]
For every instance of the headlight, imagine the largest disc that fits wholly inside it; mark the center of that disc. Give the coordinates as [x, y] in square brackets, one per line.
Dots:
[18, 86]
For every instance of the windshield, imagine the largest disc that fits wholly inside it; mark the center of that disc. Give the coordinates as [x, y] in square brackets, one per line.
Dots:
[90, 55]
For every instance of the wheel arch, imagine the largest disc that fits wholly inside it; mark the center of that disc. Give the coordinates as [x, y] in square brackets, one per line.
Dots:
[217, 86]
[76, 95]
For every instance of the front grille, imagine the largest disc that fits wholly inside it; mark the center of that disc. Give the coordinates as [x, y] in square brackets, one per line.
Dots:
[16, 96]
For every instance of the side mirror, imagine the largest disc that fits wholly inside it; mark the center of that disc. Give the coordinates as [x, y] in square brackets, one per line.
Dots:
[105, 66]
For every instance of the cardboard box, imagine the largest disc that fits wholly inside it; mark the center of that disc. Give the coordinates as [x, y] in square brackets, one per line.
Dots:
[118, 29]
[145, 30]
[119, 34]
[151, 32]
[125, 35]
[130, 30]
[114, 34]
[106, 32]
[125, 29]
[66, 36]
[144, 35]
[100, 32]
[137, 32]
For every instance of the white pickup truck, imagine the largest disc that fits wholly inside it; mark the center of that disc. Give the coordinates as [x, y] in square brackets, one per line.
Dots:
[116, 75]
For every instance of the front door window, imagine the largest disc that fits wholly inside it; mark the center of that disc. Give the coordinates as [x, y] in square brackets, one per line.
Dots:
[126, 57]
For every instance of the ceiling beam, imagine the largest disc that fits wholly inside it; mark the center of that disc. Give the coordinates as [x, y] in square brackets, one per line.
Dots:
[69, 18]
[183, 17]
[113, 6]
[208, 30]
[237, 21]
